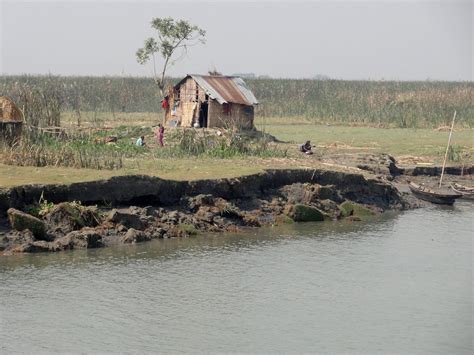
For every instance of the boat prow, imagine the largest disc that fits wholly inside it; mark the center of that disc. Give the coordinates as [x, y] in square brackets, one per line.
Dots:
[466, 192]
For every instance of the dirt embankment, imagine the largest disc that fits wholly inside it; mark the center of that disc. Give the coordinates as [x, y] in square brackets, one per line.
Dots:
[166, 208]
[141, 190]
[133, 209]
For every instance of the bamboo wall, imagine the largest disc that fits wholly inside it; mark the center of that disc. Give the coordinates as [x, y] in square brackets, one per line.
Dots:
[191, 95]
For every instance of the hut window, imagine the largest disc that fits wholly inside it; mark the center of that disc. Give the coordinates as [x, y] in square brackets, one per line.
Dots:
[226, 108]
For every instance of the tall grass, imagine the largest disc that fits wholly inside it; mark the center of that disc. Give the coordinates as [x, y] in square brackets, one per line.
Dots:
[41, 103]
[44, 150]
[391, 104]
[383, 103]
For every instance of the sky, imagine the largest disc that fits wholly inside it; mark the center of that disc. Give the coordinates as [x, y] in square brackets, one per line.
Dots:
[352, 39]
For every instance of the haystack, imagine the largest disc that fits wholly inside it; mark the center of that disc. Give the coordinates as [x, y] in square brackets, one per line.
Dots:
[11, 120]
[8, 111]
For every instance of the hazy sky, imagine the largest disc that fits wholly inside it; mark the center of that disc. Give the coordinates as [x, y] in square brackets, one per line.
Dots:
[405, 40]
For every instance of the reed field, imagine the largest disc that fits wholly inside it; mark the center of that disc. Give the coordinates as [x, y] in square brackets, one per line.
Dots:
[375, 103]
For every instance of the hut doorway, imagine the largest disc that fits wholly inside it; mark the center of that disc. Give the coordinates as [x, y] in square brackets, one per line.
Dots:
[203, 114]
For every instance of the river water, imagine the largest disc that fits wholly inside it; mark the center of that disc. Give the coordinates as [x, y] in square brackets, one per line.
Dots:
[399, 283]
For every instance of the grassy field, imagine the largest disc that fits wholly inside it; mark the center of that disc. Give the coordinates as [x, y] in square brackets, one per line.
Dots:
[409, 146]
[184, 169]
[428, 143]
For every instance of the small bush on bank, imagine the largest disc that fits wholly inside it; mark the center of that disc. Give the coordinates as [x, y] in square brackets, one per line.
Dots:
[229, 143]
[455, 153]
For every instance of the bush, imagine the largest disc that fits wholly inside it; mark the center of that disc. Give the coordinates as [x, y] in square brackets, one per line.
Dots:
[455, 153]
[230, 143]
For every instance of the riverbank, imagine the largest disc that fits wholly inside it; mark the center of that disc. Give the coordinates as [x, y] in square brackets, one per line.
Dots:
[132, 209]
[137, 208]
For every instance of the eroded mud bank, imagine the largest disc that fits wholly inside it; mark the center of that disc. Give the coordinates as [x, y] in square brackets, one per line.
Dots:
[131, 209]
[139, 189]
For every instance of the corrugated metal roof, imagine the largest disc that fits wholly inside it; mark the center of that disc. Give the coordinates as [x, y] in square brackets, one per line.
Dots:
[225, 89]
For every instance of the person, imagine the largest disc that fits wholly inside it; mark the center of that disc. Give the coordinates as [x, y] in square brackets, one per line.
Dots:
[140, 142]
[161, 134]
[306, 148]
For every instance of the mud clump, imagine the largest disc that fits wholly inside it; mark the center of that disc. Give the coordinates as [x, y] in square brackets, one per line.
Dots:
[379, 164]
[355, 210]
[129, 219]
[21, 221]
[134, 236]
[84, 239]
[303, 213]
[66, 217]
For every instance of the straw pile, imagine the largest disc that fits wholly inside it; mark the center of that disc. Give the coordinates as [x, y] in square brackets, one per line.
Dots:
[8, 111]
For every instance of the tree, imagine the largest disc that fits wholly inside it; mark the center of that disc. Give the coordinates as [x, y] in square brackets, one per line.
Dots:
[171, 37]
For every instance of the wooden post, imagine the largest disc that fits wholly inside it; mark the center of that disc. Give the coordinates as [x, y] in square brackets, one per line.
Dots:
[447, 148]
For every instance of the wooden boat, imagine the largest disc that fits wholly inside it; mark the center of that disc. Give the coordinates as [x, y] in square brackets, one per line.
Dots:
[466, 192]
[439, 196]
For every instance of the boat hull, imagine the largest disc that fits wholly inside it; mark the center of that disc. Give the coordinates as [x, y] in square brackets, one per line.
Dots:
[432, 196]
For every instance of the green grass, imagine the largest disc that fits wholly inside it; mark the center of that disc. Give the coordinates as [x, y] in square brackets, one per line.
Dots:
[183, 169]
[397, 141]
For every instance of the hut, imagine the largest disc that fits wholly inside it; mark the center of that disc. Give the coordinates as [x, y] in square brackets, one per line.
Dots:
[213, 101]
[11, 118]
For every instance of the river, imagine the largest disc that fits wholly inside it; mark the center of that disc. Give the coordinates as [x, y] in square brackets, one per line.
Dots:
[399, 283]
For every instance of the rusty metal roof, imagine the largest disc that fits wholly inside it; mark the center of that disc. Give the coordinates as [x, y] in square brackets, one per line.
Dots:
[225, 89]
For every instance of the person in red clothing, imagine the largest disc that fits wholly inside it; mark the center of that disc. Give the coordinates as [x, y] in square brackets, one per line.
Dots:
[161, 134]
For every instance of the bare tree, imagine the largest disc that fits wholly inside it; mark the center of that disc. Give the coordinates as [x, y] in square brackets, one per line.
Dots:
[172, 38]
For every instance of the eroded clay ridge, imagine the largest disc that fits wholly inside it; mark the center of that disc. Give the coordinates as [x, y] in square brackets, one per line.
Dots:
[147, 190]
